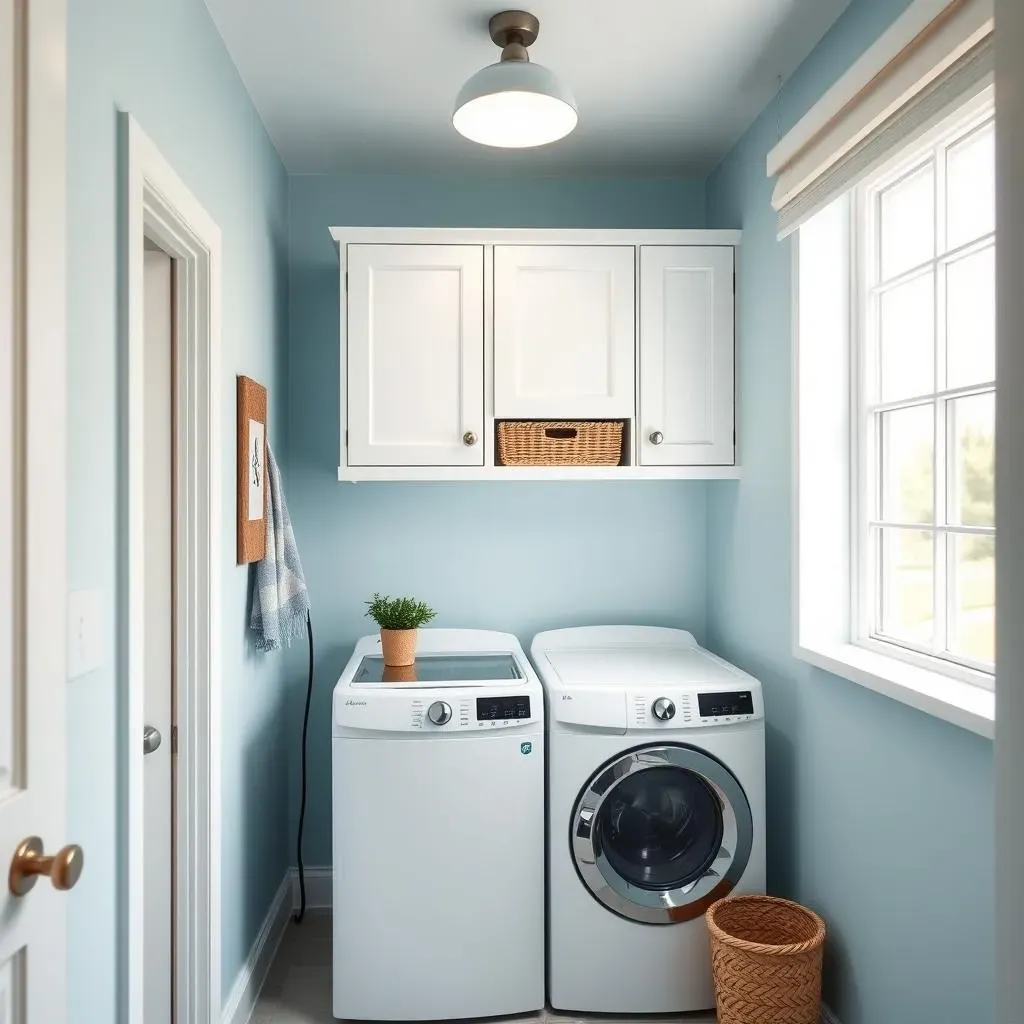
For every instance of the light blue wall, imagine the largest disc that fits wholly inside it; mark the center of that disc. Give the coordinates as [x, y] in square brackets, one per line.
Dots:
[520, 557]
[163, 61]
[881, 816]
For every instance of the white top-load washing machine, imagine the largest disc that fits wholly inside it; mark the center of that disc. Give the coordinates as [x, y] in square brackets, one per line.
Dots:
[656, 808]
[438, 831]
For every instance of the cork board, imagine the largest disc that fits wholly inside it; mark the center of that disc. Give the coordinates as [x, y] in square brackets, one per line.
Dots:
[252, 463]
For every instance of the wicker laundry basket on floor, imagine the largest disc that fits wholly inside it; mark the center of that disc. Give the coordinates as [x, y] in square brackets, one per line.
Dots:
[766, 956]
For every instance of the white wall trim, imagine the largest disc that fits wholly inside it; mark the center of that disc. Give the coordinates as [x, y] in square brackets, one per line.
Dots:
[253, 973]
[319, 887]
[530, 236]
[159, 206]
[358, 474]
[936, 693]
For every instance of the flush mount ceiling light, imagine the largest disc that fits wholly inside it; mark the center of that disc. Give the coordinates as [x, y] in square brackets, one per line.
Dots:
[514, 103]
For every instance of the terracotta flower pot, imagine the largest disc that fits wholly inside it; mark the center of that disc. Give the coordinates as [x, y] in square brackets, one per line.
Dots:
[399, 646]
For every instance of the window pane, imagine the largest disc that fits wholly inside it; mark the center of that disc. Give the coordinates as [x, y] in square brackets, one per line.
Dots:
[972, 489]
[907, 229]
[908, 585]
[907, 339]
[972, 634]
[908, 480]
[971, 187]
[971, 319]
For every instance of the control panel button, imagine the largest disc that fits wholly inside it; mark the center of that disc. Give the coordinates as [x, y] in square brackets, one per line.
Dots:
[663, 709]
[440, 712]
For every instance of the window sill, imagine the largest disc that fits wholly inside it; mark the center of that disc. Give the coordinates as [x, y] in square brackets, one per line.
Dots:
[952, 700]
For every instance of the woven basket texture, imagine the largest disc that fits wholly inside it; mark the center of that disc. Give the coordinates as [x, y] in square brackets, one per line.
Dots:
[766, 956]
[560, 443]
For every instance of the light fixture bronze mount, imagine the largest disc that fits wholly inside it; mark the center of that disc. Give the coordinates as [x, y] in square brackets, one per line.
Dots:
[514, 31]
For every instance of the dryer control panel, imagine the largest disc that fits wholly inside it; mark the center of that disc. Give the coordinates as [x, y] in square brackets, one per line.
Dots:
[730, 706]
[690, 709]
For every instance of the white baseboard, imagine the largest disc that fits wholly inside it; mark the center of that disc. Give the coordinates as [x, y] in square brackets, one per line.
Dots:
[319, 887]
[246, 989]
[828, 1017]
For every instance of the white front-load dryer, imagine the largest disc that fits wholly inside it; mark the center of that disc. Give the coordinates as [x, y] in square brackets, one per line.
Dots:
[656, 808]
[438, 831]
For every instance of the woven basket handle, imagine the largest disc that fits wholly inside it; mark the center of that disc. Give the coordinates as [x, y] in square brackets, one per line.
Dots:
[560, 433]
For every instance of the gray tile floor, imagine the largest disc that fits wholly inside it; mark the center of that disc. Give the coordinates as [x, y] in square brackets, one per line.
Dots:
[298, 987]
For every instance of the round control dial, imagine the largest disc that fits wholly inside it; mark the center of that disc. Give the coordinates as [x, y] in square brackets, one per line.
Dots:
[663, 709]
[440, 712]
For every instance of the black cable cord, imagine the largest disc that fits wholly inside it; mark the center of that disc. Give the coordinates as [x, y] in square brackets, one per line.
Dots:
[297, 917]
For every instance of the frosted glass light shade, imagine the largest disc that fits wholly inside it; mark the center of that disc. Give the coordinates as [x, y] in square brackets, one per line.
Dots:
[514, 105]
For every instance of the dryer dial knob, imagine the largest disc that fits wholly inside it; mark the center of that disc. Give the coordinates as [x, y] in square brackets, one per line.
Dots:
[663, 709]
[440, 712]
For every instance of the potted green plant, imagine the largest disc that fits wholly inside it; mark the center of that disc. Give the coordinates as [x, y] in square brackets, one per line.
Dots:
[399, 619]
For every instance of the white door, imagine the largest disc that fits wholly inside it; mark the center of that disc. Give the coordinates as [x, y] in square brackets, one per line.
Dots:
[157, 845]
[564, 331]
[686, 355]
[415, 355]
[33, 595]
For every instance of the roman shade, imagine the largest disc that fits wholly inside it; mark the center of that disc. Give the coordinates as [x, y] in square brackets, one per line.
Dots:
[937, 55]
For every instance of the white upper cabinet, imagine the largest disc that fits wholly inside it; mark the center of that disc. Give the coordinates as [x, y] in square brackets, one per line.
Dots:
[415, 355]
[564, 331]
[686, 347]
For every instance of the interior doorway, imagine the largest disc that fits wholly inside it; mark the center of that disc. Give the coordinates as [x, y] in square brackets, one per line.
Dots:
[159, 699]
[170, 626]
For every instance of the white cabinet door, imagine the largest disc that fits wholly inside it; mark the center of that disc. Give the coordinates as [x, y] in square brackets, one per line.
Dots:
[564, 318]
[686, 356]
[415, 355]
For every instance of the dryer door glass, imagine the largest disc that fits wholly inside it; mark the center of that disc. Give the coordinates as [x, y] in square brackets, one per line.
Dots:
[661, 832]
[661, 828]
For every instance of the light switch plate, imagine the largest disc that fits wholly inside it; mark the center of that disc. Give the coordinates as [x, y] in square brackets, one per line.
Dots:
[85, 632]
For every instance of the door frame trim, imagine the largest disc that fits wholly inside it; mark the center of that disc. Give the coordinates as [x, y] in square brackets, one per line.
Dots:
[159, 206]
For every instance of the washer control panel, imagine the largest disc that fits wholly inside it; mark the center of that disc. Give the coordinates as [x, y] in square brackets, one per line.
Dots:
[493, 712]
[502, 709]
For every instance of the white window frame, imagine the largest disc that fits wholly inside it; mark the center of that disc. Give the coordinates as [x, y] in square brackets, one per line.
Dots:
[826, 515]
[865, 512]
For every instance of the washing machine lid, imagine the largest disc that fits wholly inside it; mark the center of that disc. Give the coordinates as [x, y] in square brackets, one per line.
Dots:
[439, 670]
[642, 665]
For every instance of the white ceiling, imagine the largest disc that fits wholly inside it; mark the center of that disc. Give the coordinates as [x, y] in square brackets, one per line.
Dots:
[663, 86]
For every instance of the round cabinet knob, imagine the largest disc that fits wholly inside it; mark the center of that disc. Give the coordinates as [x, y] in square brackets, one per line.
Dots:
[469, 439]
[657, 437]
[440, 712]
[663, 709]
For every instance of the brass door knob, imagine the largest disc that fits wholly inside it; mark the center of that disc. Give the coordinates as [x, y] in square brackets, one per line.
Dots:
[469, 439]
[64, 868]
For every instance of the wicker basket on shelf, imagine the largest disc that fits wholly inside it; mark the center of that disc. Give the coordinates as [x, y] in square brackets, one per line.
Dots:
[766, 957]
[560, 443]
